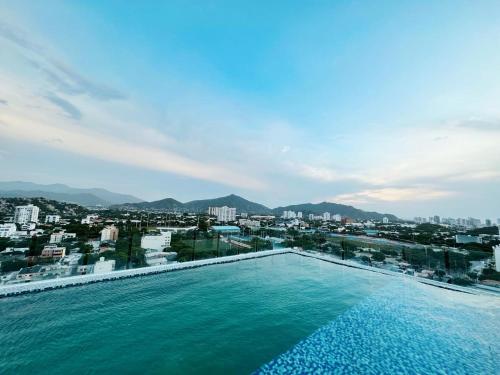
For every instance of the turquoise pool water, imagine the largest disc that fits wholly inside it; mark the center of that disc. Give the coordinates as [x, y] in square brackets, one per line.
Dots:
[403, 328]
[229, 318]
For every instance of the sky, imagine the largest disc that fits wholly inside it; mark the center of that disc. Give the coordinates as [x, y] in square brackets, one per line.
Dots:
[391, 106]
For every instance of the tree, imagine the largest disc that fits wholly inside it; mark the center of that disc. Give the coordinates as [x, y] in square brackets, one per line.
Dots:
[12, 265]
[378, 257]
[203, 225]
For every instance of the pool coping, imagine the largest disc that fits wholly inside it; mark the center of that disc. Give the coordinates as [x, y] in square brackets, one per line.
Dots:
[70, 281]
[439, 284]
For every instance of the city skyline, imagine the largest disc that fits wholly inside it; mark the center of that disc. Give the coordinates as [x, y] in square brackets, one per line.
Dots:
[386, 107]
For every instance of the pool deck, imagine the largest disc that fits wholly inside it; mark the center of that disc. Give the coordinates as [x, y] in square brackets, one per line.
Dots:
[39, 286]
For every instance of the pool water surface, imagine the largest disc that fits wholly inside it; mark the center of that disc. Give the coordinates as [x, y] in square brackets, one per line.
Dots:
[229, 318]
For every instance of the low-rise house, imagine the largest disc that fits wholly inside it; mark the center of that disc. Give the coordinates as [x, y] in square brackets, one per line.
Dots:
[28, 226]
[56, 237]
[71, 259]
[52, 219]
[157, 258]
[109, 233]
[90, 219]
[42, 272]
[53, 251]
[61, 236]
[104, 266]
[29, 273]
[7, 230]
[157, 241]
[85, 269]
[11, 253]
[253, 224]
[20, 234]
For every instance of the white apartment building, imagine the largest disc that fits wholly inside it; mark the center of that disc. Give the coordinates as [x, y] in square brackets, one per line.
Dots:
[104, 266]
[337, 217]
[52, 219]
[60, 236]
[326, 216]
[7, 230]
[289, 215]
[224, 213]
[156, 242]
[26, 214]
[109, 233]
[299, 215]
[496, 251]
[385, 220]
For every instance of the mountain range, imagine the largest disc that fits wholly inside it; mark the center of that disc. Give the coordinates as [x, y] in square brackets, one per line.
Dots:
[244, 205]
[64, 193]
[241, 205]
[105, 198]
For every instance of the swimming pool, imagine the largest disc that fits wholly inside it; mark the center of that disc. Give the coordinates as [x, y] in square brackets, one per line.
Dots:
[228, 318]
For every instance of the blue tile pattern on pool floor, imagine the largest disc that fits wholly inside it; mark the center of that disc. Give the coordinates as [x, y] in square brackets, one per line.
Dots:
[406, 328]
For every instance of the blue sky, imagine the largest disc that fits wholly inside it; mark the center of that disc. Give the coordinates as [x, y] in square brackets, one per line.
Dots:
[390, 105]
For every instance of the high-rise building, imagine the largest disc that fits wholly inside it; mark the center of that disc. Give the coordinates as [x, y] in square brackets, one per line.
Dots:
[437, 219]
[487, 222]
[26, 214]
[289, 215]
[385, 220]
[299, 215]
[109, 233]
[326, 216]
[224, 213]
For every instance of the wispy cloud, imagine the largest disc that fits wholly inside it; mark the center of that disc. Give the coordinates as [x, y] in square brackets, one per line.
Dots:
[68, 108]
[103, 128]
[65, 79]
[74, 139]
[480, 124]
[395, 194]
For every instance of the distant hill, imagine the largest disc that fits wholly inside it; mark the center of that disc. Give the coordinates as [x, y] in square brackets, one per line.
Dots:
[241, 205]
[64, 193]
[47, 206]
[244, 205]
[163, 204]
[334, 208]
